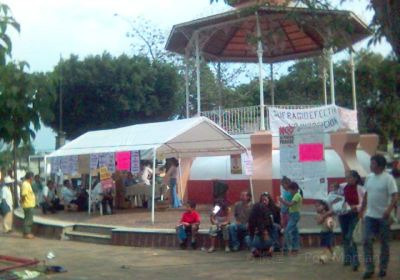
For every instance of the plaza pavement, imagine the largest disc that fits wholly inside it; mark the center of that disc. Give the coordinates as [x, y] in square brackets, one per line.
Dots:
[91, 261]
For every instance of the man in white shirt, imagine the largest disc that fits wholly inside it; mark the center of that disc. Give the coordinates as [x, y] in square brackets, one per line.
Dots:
[49, 201]
[7, 198]
[379, 201]
[68, 196]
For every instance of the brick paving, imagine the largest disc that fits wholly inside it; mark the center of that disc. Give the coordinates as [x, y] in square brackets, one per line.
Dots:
[91, 261]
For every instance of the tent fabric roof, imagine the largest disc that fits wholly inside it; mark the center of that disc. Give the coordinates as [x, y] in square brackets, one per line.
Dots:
[180, 138]
[288, 33]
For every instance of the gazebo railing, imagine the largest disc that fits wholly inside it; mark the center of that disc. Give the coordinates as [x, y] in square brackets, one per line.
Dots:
[244, 120]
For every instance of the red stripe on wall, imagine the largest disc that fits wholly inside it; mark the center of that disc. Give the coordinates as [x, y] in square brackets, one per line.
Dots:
[202, 191]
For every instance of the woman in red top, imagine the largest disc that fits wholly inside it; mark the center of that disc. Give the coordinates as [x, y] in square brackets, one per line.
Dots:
[353, 193]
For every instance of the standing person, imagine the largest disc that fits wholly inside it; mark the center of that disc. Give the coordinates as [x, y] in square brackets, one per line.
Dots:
[28, 203]
[188, 224]
[292, 235]
[37, 187]
[286, 195]
[353, 193]
[379, 201]
[6, 200]
[325, 220]
[172, 176]
[241, 213]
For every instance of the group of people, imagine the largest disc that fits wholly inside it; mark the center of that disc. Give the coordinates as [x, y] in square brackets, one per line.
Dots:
[371, 205]
[166, 174]
[259, 226]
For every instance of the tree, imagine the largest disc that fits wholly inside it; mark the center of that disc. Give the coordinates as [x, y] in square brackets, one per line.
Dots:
[6, 20]
[102, 92]
[19, 115]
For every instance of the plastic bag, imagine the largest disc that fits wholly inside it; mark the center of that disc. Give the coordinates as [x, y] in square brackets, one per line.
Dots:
[357, 233]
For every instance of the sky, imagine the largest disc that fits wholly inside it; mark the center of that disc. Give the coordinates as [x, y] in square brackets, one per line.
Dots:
[54, 28]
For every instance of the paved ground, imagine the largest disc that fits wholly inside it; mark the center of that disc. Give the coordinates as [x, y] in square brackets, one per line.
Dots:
[89, 261]
[164, 219]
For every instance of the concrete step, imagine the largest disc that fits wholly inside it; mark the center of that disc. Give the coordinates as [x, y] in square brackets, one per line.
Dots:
[88, 237]
[96, 229]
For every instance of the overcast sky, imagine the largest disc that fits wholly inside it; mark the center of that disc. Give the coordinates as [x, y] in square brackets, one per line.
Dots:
[50, 28]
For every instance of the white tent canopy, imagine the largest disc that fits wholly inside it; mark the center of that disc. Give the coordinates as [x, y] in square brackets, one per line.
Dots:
[193, 137]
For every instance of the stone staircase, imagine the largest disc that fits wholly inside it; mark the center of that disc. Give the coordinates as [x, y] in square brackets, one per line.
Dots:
[90, 233]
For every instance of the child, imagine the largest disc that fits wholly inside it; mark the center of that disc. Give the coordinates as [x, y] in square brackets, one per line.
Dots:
[219, 224]
[327, 223]
[188, 224]
[286, 195]
[292, 235]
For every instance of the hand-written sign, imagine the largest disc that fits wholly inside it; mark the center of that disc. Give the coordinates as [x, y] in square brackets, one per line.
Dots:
[123, 160]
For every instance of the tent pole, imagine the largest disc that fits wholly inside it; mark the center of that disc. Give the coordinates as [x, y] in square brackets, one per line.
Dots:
[45, 169]
[90, 190]
[353, 81]
[153, 191]
[180, 177]
[252, 189]
[260, 53]
[324, 76]
[198, 74]
[332, 78]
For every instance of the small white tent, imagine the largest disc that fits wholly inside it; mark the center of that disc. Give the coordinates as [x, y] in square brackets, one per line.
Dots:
[193, 137]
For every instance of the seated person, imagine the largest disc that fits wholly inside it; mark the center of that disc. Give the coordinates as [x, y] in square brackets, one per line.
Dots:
[188, 224]
[241, 213]
[220, 219]
[103, 196]
[146, 173]
[68, 196]
[129, 180]
[260, 228]
[49, 200]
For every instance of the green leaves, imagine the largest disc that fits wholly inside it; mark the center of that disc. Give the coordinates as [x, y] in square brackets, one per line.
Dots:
[6, 20]
[101, 92]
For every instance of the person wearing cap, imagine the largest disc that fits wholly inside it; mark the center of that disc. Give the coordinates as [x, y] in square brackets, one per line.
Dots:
[6, 201]
[28, 203]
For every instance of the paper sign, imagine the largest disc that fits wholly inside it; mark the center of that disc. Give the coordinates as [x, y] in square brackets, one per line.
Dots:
[248, 164]
[135, 162]
[104, 174]
[94, 162]
[83, 164]
[107, 160]
[236, 164]
[123, 161]
[55, 164]
[311, 152]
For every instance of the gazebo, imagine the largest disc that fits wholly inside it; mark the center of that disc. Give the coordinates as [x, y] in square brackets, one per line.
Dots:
[267, 31]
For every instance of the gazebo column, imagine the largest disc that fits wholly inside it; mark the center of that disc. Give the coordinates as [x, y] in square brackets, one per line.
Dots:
[332, 77]
[353, 81]
[187, 85]
[271, 66]
[198, 73]
[324, 78]
[260, 53]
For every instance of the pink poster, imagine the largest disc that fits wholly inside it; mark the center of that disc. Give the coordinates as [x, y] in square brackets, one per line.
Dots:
[311, 152]
[123, 161]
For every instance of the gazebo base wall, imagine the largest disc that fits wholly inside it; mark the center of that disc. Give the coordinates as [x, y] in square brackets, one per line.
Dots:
[164, 238]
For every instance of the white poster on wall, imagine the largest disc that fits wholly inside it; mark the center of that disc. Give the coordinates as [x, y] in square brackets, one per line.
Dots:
[248, 163]
[69, 165]
[302, 159]
[135, 162]
[330, 118]
[107, 160]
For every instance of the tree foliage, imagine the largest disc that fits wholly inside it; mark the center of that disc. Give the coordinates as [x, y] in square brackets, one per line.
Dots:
[101, 92]
[6, 21]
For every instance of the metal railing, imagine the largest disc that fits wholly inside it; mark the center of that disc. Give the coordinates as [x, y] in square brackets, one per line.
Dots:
[244, 120]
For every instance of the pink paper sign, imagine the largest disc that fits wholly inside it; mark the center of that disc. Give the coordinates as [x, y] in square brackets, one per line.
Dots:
[123, 161]
[311, 152]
